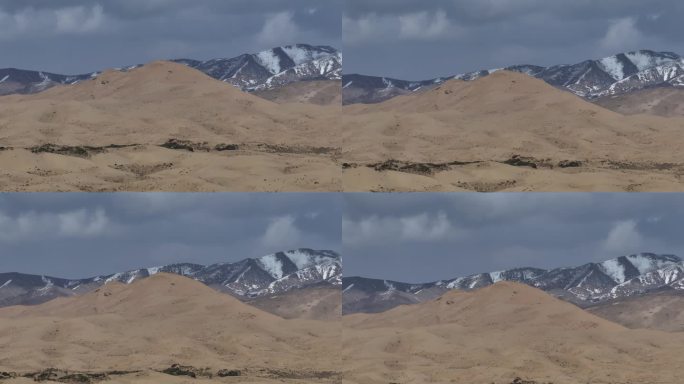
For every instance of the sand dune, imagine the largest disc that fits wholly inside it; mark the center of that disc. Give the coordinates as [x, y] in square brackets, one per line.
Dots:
[165, 319]
[498, 333]
[266, 146]
[507, 131]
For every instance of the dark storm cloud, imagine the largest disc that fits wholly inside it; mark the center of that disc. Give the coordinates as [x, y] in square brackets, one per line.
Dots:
[413, 39]
[77, 235]
[426, 237]
[76, 36]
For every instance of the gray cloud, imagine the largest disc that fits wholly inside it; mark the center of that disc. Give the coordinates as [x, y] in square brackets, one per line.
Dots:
[463, 35]
[425, 237]
[76, 36]
[78, 235]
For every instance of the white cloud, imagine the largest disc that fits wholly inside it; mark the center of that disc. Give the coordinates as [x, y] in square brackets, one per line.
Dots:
[281, 233]
[68, 20]
[79, 19]
[424, 25]
[76, 223]
[279, 28]
[373, 28]
[622, 35]
[420, 227]
[356, 31]
[82, 223]
[623, 238]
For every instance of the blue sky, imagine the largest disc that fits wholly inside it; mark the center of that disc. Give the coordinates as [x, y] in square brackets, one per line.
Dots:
[420, 237]
[416, 40]
[83, 234]
[81, 36]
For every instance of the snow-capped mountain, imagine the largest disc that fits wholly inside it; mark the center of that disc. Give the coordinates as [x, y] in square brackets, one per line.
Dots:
[21, 81]
[274, 67]
[591, 79]
[252, 277]
[583, 285]
[250, 72]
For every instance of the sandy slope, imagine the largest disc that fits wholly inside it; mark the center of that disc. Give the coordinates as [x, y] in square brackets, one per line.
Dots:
[492, 119]
[666, 101]
[152, 168]
[319, 92]
[162, 320]
[655, 310]
[317, 303]
[286, 147]
[497, 333]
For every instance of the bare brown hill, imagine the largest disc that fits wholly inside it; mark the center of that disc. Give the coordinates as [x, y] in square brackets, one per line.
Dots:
[164, 123]
[658, 310]
[317, 303]
[666, 102]
[498, 333]
[166, 319]
[319, 92]
[506, 131]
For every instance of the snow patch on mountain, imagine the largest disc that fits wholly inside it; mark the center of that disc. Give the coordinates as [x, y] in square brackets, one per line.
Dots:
[496, 276]
[272, 265]
[586, 284]
[271, 274]
[614, 269]
[269, 60]
[591, 79]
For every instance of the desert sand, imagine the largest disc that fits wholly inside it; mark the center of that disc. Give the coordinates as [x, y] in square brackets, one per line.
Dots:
[498, 333]
[164, 127]
[511, 132]
[153, 323]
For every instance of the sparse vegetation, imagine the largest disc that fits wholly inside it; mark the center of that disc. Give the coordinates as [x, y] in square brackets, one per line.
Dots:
[226, 147]
[411, 167]
[78, 151]
[186, 145]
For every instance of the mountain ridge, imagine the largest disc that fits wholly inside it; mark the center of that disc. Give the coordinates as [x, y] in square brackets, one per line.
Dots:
[583, 285]
[252, 277]
[618, 74]
[263, 70]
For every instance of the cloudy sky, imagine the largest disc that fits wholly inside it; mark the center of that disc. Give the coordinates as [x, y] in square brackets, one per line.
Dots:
[425, 237]
[414, 40]
[76, 36]
[76, 235]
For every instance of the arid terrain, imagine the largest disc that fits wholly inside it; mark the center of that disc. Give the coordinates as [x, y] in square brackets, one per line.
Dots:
[164, 127]
[499, 333]
[322, 302]
[507, 132]
[667, 102]
[319, 92]
[166, 328]
[659, 310]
